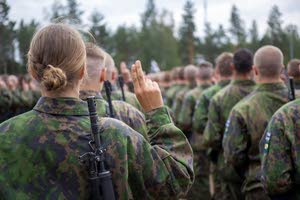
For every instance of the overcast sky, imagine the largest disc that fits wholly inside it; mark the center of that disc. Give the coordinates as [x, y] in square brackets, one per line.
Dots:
[118, 12]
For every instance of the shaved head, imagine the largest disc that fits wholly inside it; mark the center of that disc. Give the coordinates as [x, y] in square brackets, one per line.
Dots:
[269, 61]
[95, 61]
[205, 71]
[190, 72]
[110, 66]
[293, 68]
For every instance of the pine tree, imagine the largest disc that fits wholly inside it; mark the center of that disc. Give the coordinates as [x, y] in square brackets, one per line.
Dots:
[187, 34]
[254, 38]
[74, 12]
[24, 36]
[99, 29]
[237, 26]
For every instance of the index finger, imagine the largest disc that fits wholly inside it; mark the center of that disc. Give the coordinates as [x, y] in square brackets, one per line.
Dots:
[140, 73]
[134, 77]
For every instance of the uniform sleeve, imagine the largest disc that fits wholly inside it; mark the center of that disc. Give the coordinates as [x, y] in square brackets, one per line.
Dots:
[186, 113]
[131, 116]
[212, 136]
[200, 115]
[276, 160]
[235, 141]
[167, 163]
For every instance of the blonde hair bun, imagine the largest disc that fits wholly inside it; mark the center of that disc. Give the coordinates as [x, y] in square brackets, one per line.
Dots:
[54, 78]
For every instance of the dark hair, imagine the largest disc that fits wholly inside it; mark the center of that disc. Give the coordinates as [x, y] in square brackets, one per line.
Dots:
[223, 63]
[293, 68]
[243, 61]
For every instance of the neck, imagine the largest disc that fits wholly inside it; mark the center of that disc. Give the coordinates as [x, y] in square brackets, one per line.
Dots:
[72, 92]
[242, 76]
[203, 82]
[223, 78]
[268, 80]
[97, 87]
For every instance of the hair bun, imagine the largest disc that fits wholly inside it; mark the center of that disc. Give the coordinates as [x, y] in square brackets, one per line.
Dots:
[54, 78]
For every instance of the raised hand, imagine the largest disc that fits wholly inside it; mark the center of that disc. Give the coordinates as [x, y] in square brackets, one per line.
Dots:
[125, 72]
[146, 91]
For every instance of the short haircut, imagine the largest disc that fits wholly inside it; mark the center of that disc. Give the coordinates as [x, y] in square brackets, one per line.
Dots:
[190, 72]
[181, 73]
[269, 61]
[243, 61]
[205, 71]
[110, 66]
[95, 60]
[223, 63]
[174, 73]
[293, 68]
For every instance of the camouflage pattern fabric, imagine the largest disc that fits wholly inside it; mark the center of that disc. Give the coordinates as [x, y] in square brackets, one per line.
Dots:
[279, 148]
[171, 93]
[297, 88]
[200, 188]
[219, 109]
[186, 114]
[39, 154]
[177, 103]
[122, 111]
[129, 96]
[201, 108]
[5, 103]
[245, 127]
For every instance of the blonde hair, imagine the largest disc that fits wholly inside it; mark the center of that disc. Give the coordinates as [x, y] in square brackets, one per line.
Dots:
[95, 61]
[56, 56]
[110, 66]
[190, 72]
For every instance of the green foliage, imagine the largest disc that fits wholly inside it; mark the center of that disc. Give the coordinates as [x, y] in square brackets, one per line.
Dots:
[187, 34]
[155, 39]
[23, 36]
[237, 26]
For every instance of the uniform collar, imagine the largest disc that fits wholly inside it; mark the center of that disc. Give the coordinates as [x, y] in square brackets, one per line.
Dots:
[62, 106]
[242, 82]
[270, 86]
[84, 94]
[297, 84]
[224, 83]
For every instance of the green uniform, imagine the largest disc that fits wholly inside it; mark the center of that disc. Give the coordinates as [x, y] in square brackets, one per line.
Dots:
[244, 129]
[171, 93]
[122, 111]
[202, 104]
[177, 103]
[219, 109]
[200, 188]
[129, 97]
[280, 152]
[5, 103]
[199, 122]
[39, 154]
[297, 88]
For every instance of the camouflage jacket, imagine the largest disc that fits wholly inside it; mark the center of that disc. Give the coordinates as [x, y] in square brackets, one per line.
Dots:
[171, 93]
[121, 110]
[297, 88]
[185, 118]
[177, 103]
[245, 127]
[202, 104]
[280, 152]
[219, 108]
[39, 154]
[129, 97]
[5, 103]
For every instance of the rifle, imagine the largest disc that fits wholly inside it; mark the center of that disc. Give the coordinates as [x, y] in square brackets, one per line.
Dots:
[108, 90]
[99, 177]
[291, 89]
[121, 84]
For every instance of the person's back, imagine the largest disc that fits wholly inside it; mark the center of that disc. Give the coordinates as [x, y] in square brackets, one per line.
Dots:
[39, 150]
[279, 148]
[249, 118]
[93, 83]
[294, 72]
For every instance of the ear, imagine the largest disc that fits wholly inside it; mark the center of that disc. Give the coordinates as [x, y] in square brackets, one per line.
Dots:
[113, 75]
[82, 72]
[32, 74]
[102, 76]
[255, 70]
